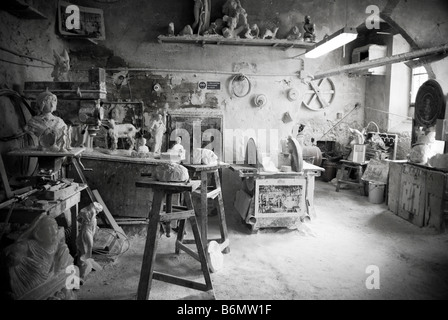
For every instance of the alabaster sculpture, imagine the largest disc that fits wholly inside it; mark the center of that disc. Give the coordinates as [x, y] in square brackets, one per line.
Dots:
[61, 66]
[117, 130]
[157, 130]
[50, 130]
[39, 253]
[88, 227]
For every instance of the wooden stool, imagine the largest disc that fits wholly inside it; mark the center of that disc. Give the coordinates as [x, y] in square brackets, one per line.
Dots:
[351, 168]
[156, 218]
[204, 171]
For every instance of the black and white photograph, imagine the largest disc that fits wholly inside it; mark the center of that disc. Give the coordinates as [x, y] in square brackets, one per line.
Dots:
[232, 158]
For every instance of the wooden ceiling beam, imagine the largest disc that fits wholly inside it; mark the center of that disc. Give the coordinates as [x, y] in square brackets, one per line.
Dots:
[364, 65]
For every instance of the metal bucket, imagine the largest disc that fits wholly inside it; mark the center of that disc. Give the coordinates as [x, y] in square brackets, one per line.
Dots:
[376, 192]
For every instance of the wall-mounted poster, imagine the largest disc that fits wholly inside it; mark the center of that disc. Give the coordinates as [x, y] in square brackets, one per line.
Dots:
[279, 197]
[81, 22]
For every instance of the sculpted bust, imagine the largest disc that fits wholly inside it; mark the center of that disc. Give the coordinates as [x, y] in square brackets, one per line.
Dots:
[51, 130]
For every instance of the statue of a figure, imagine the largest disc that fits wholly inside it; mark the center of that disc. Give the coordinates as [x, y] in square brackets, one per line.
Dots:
[157, 129]
[309, 32]
[38, 254]
[233, 8]
[51, 130]
[201, 16]
[88, 222]
[178, 149]
[61, 66]
[232, 31]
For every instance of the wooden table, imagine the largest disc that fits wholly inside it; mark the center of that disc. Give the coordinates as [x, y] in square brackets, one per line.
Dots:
[74, 155]
[54, 208]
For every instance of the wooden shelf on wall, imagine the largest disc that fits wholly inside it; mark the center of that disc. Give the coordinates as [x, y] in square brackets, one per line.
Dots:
[219, 40]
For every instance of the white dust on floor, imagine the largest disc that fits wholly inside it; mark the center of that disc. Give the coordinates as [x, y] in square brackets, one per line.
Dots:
[329, 261]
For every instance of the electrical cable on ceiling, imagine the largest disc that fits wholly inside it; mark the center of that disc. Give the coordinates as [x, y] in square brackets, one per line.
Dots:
[196, 71]
[25, 56]
[387, 112]
[24, 64]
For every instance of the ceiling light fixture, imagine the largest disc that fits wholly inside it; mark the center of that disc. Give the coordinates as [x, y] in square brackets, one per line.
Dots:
[330, 43]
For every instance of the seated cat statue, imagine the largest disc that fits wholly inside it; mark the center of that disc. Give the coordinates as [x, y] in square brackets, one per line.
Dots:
[61, 67]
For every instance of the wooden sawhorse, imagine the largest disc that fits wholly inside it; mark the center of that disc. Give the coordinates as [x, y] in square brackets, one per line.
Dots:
[204, 171]
[162, 191]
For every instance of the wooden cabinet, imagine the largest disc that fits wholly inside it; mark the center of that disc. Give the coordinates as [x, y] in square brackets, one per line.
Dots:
[419, 195]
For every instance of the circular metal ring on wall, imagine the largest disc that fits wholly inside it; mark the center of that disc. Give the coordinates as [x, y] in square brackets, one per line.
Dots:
[240, 86]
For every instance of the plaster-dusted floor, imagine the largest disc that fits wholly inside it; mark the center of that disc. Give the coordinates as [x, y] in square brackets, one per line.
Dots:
[329, 262]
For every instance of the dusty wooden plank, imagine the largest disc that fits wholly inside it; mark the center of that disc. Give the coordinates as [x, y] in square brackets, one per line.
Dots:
[394, 184]
[120, 233]
[5, 180]
[165, 217]
[436, 184]
[180, 281]
[174, 187]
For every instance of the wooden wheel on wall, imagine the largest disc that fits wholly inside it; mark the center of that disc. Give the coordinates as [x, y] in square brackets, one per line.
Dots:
[322, 94]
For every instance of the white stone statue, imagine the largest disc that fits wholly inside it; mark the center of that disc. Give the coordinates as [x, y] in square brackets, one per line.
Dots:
[88, 224]
[158, 129]
[39, 253]
[51, 131]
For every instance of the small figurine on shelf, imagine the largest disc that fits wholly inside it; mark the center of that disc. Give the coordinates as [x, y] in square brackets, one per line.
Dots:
[199, 15]
[158, 129]
[232, 31]
[294, 34]
[270, 34]
[186, 31]
[171, 29]
[178, 149]
[309, 28]
[141, 149]
[50, 130]
[215, 27]
[61, 66]
[253, 32]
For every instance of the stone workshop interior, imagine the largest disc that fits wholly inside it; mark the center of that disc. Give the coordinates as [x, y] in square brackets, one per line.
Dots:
[223, 150]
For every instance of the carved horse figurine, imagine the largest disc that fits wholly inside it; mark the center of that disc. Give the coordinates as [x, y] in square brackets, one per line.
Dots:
[123, 130]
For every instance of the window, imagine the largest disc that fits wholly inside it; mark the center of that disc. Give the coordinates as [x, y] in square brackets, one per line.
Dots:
[419, 76]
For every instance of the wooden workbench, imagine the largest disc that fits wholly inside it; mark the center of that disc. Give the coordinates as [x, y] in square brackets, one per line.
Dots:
[114, 176]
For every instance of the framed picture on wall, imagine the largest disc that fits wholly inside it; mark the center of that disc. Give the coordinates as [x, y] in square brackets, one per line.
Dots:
[80, 22]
